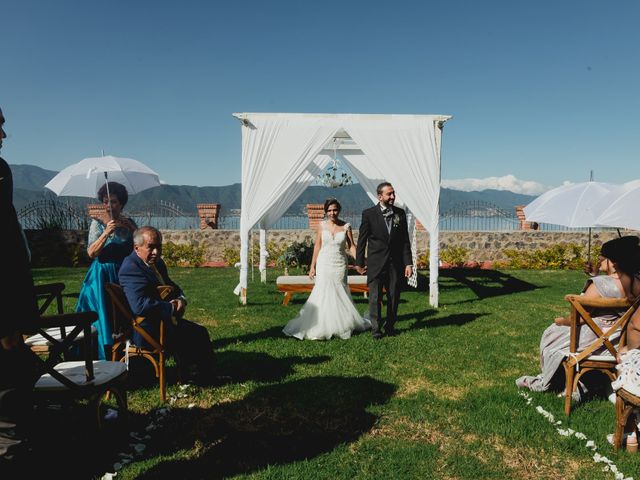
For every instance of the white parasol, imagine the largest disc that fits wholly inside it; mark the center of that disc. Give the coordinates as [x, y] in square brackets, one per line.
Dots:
[572, 205]
[620, 208]
[84, 179]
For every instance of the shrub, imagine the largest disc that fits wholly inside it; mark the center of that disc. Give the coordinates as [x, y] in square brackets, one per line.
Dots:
[422, 262]
[75, 255]
[298, 254]
[561, 256]
[182, 254]
[231, 255]
[454, 256]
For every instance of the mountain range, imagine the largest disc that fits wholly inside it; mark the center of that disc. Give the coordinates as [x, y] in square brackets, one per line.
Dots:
[29, 182]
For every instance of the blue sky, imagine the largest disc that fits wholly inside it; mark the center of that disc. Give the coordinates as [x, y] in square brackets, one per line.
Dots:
[541, 92]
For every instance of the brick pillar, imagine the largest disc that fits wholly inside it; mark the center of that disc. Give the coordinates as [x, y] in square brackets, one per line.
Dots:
[208, 213]
[98, 211]
[315, 212]
[524, 225]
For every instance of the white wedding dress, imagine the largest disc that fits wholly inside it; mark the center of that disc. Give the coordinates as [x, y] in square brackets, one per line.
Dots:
[329, 311]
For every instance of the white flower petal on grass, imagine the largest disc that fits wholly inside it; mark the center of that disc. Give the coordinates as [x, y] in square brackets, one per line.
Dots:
[138, 447]
[597, 458]
[191, 405]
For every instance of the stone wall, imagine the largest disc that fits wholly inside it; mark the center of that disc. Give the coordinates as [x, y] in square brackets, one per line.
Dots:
[483, 246]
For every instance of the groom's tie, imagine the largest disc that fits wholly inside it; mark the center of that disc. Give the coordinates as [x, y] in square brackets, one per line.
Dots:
[387, 213]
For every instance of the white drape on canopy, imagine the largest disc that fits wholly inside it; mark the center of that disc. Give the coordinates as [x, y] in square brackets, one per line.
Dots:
[414, 170]
[281, 155]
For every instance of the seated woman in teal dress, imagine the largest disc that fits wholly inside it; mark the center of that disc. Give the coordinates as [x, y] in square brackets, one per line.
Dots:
[110, 241]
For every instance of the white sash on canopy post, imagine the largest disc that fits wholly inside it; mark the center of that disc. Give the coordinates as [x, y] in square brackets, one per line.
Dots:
[263, 255]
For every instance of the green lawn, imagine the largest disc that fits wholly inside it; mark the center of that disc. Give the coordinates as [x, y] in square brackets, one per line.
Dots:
[436, 401]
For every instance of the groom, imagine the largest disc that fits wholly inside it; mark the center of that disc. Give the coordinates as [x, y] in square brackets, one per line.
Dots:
[384, 233]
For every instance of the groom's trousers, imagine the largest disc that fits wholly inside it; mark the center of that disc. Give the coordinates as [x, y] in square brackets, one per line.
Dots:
[388, 279]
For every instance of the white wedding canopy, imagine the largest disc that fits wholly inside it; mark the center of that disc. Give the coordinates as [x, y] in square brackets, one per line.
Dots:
[282, 153]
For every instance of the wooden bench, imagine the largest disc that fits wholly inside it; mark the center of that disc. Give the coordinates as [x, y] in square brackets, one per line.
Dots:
[290, 284]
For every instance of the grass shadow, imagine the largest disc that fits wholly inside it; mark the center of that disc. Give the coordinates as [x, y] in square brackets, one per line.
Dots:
[273, 332]
[231, 367]
[66, 444]
[484, 283]
[275, 424]
[421, 320]
[239, 367]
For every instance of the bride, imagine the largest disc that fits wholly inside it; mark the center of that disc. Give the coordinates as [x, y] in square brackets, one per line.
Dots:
[329, 310]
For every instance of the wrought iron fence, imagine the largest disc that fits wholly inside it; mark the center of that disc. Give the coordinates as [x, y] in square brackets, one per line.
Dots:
[54, 213]
[165, 216]
[478, 216]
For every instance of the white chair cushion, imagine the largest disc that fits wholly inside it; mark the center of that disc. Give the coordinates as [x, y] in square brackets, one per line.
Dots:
[294, 280]
[103, 371]
[357, 280]
[38, 340]
[603, 357]
[305, 280]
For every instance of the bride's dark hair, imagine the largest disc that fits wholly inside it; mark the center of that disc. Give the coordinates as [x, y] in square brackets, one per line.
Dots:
[332, 201]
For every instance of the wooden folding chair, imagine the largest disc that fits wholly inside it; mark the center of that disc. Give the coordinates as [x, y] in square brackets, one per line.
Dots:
[85, 379]
[46, 295]
[125, 323]
[626, 402]
[577, 362]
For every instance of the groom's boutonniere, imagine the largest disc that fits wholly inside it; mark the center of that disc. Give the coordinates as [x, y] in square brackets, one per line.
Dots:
[396, 220]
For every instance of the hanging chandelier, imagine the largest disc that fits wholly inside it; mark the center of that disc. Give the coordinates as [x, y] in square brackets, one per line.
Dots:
[335, 175]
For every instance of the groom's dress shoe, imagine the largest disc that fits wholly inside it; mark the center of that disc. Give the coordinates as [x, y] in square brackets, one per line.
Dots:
[377, 335]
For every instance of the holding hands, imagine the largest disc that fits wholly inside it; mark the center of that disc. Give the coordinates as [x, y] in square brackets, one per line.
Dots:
[361, 270]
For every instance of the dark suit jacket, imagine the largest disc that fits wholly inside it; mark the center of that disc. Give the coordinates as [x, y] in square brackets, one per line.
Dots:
[18, 290]
[140, 285]
[383, 248]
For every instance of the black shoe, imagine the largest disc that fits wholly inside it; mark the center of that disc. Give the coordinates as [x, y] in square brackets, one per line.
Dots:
[377, 335]
[390, 331]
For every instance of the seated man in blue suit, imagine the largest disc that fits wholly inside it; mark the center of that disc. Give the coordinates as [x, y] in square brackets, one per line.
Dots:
[140, 275]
